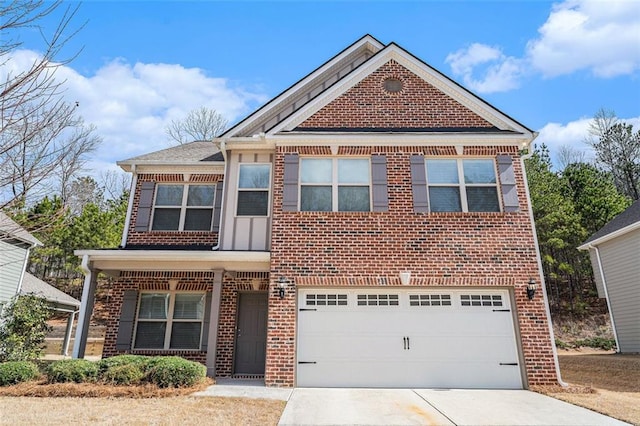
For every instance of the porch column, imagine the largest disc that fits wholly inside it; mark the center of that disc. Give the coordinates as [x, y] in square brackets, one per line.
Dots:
[86, 308]
[214, 320]
[67, 333]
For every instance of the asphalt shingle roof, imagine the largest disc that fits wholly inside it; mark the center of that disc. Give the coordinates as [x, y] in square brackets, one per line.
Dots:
[31, 284]
[11, 229]
[628, 217]
[191, 152]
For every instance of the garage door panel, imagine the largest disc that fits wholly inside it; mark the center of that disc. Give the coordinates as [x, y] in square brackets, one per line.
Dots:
[448, 338]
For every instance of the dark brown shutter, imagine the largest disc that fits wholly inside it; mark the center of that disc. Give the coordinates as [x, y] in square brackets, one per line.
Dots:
[508, 183]
[217, 207]
[419, 184]
[144, 206]
[290, 183]
[379, 183]
[127, 316]
[205, 322]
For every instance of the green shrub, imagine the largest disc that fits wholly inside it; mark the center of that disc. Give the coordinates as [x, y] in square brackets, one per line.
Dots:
[126, 374]
[561, 345]
[106, 364]
[14, 372]
[174, 371]
[72, 370]
[597, 342]
[23, 326]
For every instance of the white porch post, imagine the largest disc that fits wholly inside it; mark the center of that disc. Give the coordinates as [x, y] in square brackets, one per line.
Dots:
[67, 333]
[86, 308]
[214, 320]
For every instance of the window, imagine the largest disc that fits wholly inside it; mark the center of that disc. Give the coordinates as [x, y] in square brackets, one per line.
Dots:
[480, 300]
[332, 184]
[169, 320]
[253, 189]
[183, 207]
[457, 185]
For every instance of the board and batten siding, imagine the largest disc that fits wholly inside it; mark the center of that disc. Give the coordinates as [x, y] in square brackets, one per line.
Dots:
[250, 233]
[12, 260]
[621, 264]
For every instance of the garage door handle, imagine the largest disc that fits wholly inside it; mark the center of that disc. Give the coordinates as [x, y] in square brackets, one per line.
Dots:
[502, 310]
[404, 341]
[307, 362]
[508, 363]
[408, 344]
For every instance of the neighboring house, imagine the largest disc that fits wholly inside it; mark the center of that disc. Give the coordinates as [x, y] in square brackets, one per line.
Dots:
[615, 258]
[15, 245]
[368, 227]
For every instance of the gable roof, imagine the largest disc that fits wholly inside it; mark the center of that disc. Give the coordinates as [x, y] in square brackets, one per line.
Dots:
[34, 285]
[281, 117]
[11, 229]
[305, 89]
[626, 221]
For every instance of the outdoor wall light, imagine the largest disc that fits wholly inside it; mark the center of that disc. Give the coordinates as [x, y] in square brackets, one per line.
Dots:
[531, 288]
[405, 277]
[282, 283]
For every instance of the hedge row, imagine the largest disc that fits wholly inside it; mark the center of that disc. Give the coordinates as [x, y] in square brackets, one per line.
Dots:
[119, 370]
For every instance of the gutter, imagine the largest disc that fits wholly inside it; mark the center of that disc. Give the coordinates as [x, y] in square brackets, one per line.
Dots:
[606, 294]
[539, 259]
[127, 222]
[223, 150]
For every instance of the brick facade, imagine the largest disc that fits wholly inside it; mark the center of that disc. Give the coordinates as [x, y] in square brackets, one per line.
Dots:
[419, 105]
[371, 248]
[173, 238]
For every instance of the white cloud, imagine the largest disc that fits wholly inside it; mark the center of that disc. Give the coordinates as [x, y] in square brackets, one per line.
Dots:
[130, 104]
[573, 135]
[598, 36]
[500, 73]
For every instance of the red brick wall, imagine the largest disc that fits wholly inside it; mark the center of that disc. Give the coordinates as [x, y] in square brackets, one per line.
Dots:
[153, 280]
[418, 105]
[170, 237]
[440, 249]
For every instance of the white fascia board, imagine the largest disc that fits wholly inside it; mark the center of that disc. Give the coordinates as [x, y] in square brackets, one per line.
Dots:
[168, 167]
[427, 73]
[183, 260]
[275, 102]
[610, 236]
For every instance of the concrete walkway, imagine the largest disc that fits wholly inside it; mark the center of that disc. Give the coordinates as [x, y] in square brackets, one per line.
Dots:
[310, 406]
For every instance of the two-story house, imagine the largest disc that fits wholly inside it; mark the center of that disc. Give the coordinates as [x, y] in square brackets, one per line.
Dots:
[368, 227]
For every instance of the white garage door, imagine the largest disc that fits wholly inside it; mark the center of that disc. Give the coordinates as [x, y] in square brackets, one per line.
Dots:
[441, 338]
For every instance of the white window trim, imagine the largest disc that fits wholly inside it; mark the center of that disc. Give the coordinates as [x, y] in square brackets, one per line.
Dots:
[169, 320]
[267, 190]
[462, 186]
[183, 207]
[334, 182]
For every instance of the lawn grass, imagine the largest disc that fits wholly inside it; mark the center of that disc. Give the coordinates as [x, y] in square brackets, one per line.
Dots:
[607, 383]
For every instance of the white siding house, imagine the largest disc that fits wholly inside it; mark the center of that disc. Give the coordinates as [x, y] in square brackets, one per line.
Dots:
[615, 258]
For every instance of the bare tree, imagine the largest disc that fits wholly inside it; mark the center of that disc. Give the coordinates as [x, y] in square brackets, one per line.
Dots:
[199, 125]
[617, 149]
[36, 124]
[115, 183]
[569, 155]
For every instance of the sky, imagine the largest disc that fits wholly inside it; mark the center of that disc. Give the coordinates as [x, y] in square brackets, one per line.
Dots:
[549, 65]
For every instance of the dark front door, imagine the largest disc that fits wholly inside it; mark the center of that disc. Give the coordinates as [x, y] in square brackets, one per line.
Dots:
[251, 333]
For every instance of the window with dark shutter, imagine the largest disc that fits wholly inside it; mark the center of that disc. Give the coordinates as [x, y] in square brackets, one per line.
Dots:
[145, 205]
[419, 184]
[127, 316]
[508, 183]
[379, 188]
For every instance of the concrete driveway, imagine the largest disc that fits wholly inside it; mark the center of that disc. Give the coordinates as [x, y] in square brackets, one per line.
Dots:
[433, 407]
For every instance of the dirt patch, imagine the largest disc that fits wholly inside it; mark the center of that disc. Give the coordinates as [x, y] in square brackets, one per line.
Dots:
[601, 381]
[186, 410]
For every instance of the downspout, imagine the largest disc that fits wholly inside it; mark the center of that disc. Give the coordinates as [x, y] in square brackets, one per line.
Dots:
[540, 270]
[606, 295]
[223, 150]
[84, 267]
[24, 269]
[127, 222]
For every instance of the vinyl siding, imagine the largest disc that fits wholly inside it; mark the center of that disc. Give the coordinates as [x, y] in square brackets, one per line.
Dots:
[596, 273]
[12, 258]
[251, 233]
[621, 263]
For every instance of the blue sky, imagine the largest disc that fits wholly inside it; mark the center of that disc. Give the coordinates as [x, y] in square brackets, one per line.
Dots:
[550, 65]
